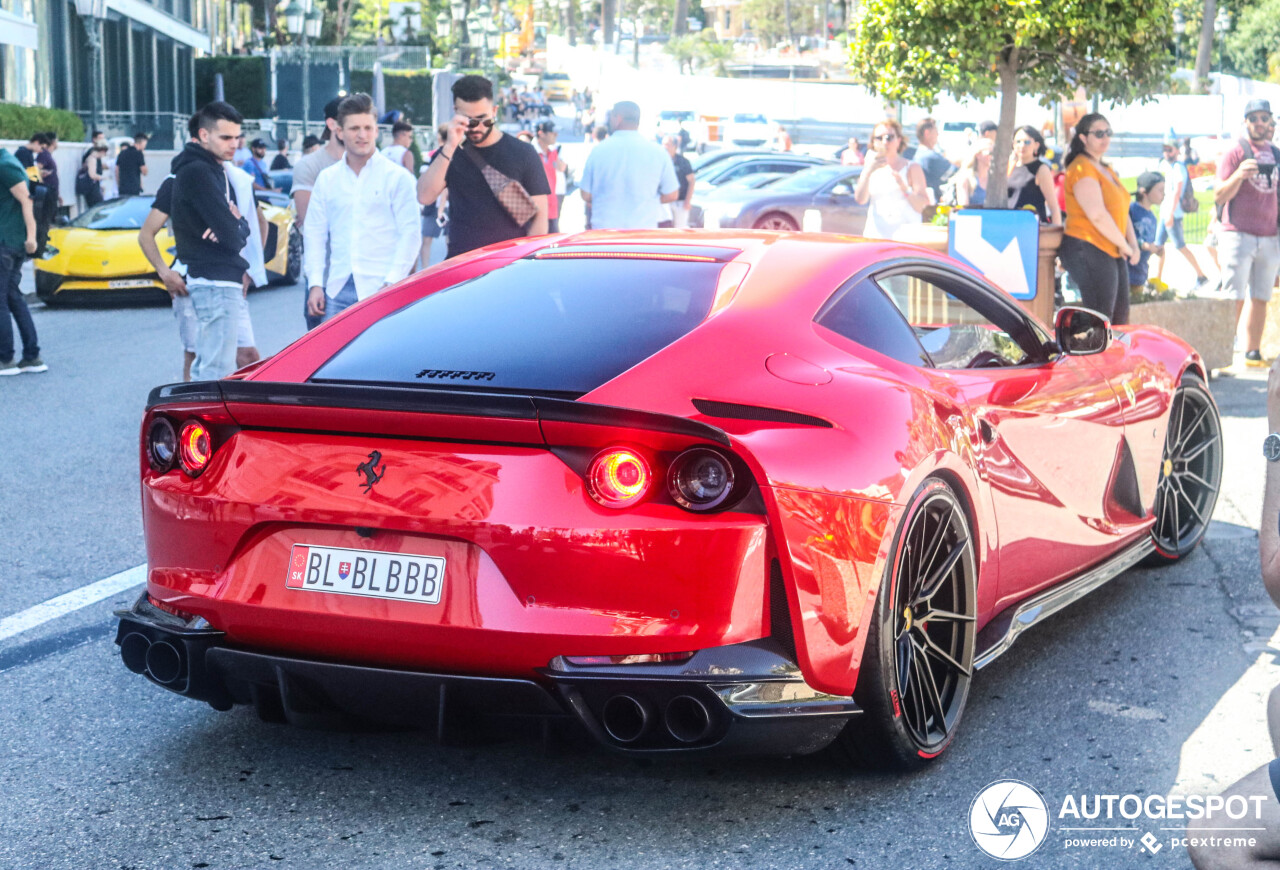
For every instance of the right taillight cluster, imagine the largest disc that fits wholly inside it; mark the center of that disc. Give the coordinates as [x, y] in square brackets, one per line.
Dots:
[189, 446]
[699, 479]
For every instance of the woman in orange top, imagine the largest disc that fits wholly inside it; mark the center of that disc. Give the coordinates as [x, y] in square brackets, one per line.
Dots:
[1099, 238]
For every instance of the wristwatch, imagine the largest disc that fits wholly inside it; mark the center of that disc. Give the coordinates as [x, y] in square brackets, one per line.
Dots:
[1271, 447]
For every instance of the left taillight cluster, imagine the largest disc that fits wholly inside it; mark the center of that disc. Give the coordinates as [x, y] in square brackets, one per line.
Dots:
[188, 445]
[699, 479]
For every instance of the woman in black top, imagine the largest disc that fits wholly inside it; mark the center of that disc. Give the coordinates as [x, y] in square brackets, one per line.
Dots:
[1031, 179]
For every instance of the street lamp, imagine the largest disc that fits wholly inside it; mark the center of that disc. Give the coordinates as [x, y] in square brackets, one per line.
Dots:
[306, 25]
[92, 13]
[443, 25]
[493, 37]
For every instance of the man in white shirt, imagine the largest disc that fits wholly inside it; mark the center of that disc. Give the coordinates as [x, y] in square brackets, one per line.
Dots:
[627, 178]
[364, 211]
[400, 150]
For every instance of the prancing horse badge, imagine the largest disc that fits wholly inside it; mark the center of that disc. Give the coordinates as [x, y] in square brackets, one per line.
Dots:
[372, 469]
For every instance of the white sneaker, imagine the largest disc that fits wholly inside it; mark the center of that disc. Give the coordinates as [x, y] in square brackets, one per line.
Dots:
[9, 367]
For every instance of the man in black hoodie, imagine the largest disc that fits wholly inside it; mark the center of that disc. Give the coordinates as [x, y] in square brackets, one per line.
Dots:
[209, 233]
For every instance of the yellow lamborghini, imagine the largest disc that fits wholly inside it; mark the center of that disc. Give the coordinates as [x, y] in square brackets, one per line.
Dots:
[97, 257]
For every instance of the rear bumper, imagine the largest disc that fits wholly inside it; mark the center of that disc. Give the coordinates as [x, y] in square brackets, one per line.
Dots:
[746, 698]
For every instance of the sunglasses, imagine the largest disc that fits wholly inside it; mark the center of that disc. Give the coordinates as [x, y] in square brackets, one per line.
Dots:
[1100, 134]
[1259, 119]
[885, 137]
[487, 123]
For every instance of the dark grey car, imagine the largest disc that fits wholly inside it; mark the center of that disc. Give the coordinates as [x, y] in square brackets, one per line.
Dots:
[819, 198]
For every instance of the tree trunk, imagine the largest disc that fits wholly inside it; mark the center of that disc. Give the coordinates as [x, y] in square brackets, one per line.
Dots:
[1205, 52]
[680, 26]
[607, 33]
[786, 14]
[998, 175]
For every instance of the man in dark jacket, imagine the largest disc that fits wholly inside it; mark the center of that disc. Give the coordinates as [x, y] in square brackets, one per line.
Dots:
[209, 233]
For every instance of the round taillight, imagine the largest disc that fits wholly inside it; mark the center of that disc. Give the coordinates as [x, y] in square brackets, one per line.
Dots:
[619, 478]
[195, 447]
[700, 479]
[162, 445]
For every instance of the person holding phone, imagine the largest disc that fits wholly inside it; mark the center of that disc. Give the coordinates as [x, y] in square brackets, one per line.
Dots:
[1248, 246]
[1098, 242]
[893, 188]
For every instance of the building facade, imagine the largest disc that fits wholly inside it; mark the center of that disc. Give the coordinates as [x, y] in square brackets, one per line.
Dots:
[147, 60]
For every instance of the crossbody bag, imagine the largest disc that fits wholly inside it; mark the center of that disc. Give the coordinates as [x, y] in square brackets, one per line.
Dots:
[511, 194]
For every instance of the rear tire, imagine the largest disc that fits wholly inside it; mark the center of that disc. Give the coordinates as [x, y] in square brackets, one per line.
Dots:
[1190, 474]
[776, 220]
[918, 662]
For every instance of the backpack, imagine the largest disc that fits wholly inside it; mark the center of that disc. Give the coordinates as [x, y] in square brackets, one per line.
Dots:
[1188, 203]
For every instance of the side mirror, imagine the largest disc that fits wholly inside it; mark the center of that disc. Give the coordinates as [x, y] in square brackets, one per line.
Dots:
[842, 190]
[1081, 331]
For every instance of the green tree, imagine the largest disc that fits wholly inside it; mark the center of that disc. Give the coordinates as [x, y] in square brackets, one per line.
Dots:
[714, 54]
[1252, 47]
[684, 49]
[912, 50]
[771, 22]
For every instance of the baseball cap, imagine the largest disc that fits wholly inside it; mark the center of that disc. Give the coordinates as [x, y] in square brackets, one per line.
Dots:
[1148, 180]
[331, 108]
[546, 127]
[1257, 105]
[258, 143]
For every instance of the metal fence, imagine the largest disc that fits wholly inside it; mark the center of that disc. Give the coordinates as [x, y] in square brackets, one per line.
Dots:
[164, 128]
[363, 56]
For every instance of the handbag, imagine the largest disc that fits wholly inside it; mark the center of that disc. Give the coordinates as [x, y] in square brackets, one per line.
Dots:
[511, 195]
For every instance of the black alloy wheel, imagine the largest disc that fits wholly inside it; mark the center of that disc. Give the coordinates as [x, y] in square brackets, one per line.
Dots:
[1190, 473]
[919, 659]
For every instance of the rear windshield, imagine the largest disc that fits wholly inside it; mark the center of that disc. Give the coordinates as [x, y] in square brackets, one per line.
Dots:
[547, 327]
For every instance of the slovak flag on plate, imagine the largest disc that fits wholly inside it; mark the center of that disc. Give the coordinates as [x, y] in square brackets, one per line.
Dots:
[344, 569]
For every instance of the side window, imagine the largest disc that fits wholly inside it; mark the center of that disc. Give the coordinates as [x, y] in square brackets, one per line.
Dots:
[862, 313]
[955, 334]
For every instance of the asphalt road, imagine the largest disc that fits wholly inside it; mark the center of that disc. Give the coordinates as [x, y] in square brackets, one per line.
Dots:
[1153, 684]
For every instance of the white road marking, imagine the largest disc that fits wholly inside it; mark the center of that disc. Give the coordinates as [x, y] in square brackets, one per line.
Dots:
[73, 600]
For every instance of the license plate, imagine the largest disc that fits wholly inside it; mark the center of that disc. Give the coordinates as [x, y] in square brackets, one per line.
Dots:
[127, 283]
[370, 573]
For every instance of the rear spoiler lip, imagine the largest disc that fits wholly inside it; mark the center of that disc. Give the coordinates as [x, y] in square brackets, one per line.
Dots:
[512, 406]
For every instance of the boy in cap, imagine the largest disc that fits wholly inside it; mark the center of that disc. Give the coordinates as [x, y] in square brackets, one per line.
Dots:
[1151, 191]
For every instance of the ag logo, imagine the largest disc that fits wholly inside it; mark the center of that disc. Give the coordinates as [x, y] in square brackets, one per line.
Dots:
[1008, 820]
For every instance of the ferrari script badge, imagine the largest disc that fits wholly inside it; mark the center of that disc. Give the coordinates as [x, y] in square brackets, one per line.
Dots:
[372, 469]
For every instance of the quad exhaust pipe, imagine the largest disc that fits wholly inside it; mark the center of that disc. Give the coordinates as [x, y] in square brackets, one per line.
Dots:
[628, 719]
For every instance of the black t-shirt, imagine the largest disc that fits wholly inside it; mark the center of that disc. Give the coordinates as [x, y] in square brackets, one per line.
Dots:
[683, 170]
[164, 197]
[25, 156]
[130, 163]
[476, 218]
[280, 162]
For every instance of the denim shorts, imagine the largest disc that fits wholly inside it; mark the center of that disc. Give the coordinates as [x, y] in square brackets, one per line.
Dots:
[1163, 234]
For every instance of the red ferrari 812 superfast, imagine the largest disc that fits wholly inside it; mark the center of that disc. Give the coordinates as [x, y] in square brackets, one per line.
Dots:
[716, 491]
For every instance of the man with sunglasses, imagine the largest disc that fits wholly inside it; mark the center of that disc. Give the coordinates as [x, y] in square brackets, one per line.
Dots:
[476, 217]
[1248, 247]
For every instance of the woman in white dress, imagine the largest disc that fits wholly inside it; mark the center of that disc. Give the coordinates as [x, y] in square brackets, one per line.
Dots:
[892, 184]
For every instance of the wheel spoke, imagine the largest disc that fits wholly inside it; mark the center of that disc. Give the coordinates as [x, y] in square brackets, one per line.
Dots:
[943, 616]
[1206, 485]
[929, 687]
[1200, 448]
[1185, 434]
[944, 570]
[938, 652]
[913, 700]
[1195, 510]
[939, 537]
[1177, 521]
